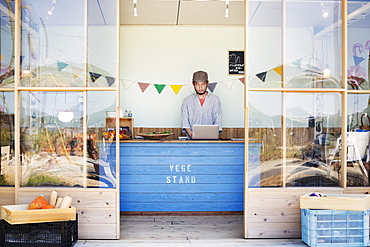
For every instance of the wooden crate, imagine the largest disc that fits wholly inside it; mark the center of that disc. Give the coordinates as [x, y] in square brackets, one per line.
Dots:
[354, 202]
[123, 122]
[19, 214]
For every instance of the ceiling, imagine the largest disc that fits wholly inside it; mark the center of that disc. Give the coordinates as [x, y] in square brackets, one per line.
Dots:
[306, 13]
[175, 12]
[260, 13]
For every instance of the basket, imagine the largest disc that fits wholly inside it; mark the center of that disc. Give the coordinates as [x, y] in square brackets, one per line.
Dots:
[50, 234]
[153, 136]
[321, 227]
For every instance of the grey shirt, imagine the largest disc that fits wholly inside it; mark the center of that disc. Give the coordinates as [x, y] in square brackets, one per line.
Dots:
[192, 113]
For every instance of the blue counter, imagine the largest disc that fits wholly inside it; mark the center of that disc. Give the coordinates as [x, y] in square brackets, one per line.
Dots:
[173, 176]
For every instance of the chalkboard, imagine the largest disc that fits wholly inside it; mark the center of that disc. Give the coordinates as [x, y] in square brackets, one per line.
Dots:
[236, 62]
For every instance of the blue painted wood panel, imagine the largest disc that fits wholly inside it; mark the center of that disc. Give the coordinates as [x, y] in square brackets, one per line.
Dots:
[181, 176]
[167, 176]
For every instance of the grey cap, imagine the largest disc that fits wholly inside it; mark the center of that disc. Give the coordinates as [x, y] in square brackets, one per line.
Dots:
[200, 76]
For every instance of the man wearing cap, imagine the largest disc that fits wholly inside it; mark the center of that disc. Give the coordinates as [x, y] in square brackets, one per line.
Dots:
[201, 107]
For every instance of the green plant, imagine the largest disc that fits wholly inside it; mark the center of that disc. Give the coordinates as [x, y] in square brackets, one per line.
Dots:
[42, 180]
[3, 181]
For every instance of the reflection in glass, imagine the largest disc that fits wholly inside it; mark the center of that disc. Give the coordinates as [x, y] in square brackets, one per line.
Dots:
[52, 49]
[313, 124]
[52, 150]
[7, 32]
[358, 140]
[312, 132]
[265, 157]
[310, 43]
[7, 164]
[264, 31]
[101, 147]
[358, 45]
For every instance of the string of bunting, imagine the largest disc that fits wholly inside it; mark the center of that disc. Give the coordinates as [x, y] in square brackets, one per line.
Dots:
[98, 78]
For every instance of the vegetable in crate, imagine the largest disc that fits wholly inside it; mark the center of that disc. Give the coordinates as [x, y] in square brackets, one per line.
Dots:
[38, 203]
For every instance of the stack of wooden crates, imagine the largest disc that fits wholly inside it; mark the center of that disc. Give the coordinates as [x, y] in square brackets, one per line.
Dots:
[335, 220]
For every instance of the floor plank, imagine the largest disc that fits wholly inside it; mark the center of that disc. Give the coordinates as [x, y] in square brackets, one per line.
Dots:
[181, 231]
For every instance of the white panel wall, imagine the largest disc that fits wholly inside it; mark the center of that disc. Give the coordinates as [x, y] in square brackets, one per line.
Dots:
[169, 55]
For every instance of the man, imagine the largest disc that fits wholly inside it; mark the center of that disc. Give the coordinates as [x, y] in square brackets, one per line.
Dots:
[201, 107]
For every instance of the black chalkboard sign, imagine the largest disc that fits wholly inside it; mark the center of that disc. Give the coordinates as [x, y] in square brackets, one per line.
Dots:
[236, 62]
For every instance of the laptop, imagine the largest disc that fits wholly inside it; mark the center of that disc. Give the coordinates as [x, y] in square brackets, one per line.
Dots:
[205, 132]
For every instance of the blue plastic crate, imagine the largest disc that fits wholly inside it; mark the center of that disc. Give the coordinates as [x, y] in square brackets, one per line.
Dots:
[321, 227]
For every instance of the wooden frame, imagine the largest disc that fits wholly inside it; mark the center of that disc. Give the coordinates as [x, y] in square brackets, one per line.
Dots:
[97, 208]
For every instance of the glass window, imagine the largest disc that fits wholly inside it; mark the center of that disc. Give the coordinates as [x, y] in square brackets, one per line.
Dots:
[51, 123]
[298, 44]
[6, 43]
[307, 126]
[358, 45]
[52, 45]
[101, 137]
[7, 164]
[313, 44]
[101, 43]
[358, 138]
[265, 27]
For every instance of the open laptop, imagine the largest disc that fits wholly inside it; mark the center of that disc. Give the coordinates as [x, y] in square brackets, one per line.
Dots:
[205, 132]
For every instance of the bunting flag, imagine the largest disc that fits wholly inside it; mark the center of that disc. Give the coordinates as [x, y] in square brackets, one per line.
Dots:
[358, 60]
[298, 63]
[143, 86]
[212, 86]
[176, 88]
[127, 84]
[1, 58]
[61, 65]
[159, 87]
[228, 84]
[94, 76]
[262, 76]
[110, 80]
[241, 79]
[279, 70]
[21, 59]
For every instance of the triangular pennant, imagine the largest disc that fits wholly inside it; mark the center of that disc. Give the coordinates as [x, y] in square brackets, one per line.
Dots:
[110, 80]
[143, 86]
[127, 84]
[61, 66]
[212, 86]
[241, 79]
[262, 76]
[94, 76]
[176, 88]
[159, 87]
[1, 58]
[229, 84]
[279, 70]
[298, 63]
[358, 60]
[20, 59]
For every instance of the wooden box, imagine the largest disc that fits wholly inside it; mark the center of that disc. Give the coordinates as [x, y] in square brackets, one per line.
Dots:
[19, 214]
[353, 202]
[123, 122]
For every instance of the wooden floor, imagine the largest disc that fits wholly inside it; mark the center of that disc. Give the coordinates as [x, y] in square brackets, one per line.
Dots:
[163, 231]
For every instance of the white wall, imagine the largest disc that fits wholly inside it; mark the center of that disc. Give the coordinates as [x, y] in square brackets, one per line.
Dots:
[169, 55]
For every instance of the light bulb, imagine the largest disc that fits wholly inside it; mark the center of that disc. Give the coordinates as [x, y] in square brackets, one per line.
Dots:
[326, 72]
[66, 116]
